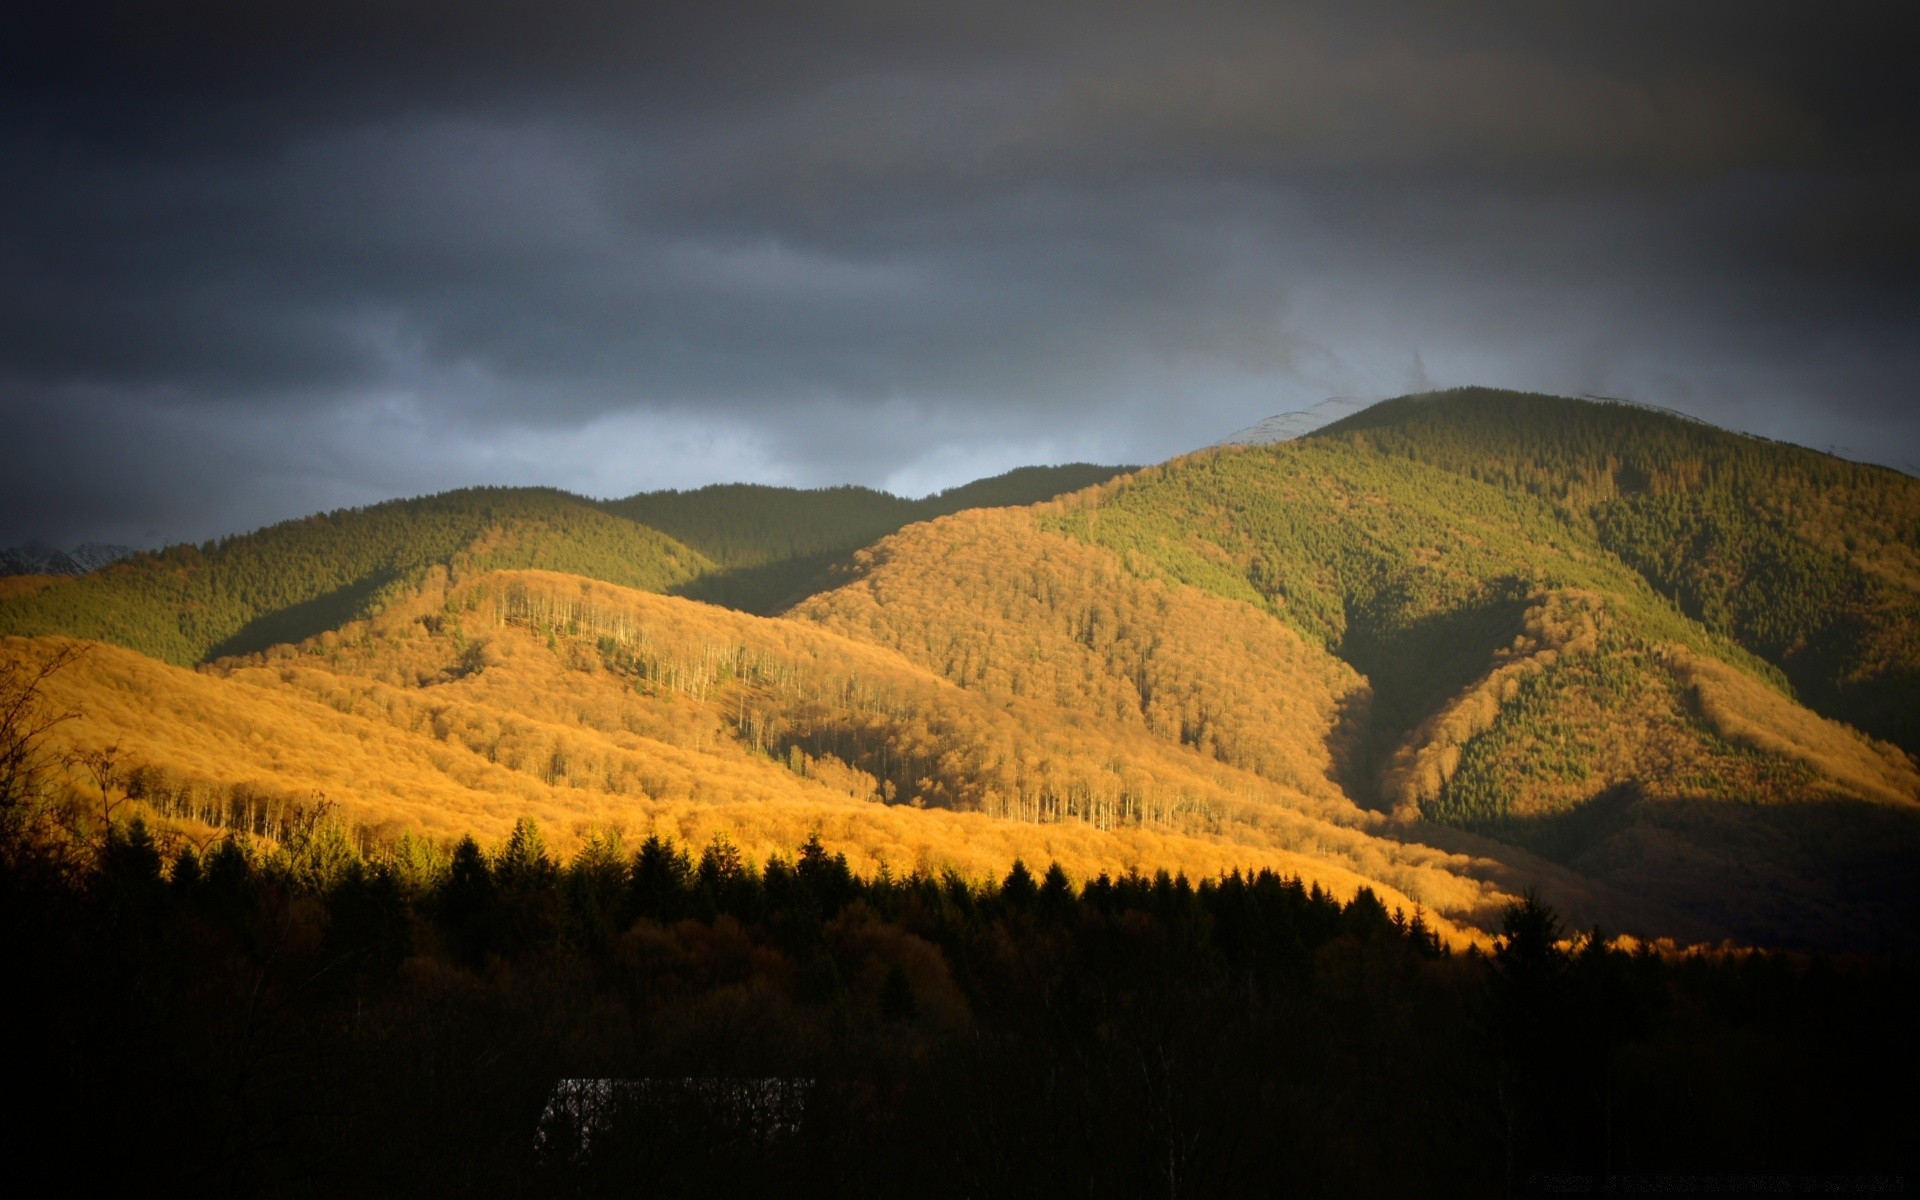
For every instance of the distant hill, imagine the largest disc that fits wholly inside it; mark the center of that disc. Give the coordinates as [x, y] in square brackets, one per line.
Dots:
[37, 558]
[750, 524]
[772, 543]
[741, 545]
[187, 604]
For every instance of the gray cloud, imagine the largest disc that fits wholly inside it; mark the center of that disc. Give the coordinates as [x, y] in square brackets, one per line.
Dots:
[256, 259]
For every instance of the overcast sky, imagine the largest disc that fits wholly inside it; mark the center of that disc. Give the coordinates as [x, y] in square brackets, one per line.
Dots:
[262, 259]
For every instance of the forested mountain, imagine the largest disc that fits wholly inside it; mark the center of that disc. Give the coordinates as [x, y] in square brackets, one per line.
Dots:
[750, 525]
[1511, 674]
[1810, 561]
[1229, 820]
[185, 604]
[772, 543]
[533, 694]
[743, 545]
[1451, 648]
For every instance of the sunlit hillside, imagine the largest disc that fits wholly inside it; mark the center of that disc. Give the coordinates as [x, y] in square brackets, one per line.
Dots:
[586, 706]
[771, 545]
[744, 546]
[188, 603]
[1811, 561]
[1004, 607]
[1449, 649]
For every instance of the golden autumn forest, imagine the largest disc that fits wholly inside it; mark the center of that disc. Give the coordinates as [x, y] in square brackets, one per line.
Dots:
[1454, 659]
[1452, 648]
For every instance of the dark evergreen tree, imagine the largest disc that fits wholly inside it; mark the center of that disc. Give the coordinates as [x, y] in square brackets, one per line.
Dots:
[1366, 918]
[659, 881]
[1018, 890]
[593, 894]
[465, 905]
[1056, 896]
[186, 875]
[369, 925]
[723, 882]
[130, 870]
[826, 876]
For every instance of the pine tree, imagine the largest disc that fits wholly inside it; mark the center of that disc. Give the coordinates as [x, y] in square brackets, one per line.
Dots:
[1018, 890]
[658, 881]
[465, 904]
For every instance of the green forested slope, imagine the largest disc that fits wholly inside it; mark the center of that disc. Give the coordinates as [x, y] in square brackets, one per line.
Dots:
[749, 524]
[1810, 561]
[742, 545]
[1023, 485]
[189, 603]
[1527, 683]
[772, 543]
[1414, 575]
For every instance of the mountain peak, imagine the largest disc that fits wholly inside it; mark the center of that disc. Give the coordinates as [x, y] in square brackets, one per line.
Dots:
[39, 558]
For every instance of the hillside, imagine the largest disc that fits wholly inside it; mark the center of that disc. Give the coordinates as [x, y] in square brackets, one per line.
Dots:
[187, 604]
[771, 544]
[585, 706]
[741, 545]
[749, 525]
[1447, 649]
[1810, 561]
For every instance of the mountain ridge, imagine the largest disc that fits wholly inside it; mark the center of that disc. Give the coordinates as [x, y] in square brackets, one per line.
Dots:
[1569, 640]
[285, 582]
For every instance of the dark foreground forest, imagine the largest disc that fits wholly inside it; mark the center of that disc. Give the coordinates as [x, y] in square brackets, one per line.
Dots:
[316, 1022]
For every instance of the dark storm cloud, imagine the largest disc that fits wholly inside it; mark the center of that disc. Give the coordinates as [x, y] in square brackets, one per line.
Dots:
[259, 259]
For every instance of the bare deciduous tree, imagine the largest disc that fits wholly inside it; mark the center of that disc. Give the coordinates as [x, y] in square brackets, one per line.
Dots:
[25, 720]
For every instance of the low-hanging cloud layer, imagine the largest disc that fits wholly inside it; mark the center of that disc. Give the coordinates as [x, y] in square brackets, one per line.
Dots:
[260, 260]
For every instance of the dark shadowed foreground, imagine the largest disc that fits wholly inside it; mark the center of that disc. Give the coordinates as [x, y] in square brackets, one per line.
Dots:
[241, 1025]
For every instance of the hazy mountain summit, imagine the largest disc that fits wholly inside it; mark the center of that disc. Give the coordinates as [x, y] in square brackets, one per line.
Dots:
[1284, 427]
[91, 556]
[38, 558]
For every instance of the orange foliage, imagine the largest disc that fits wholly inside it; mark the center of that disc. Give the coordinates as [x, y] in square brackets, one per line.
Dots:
[1000, 606]
[458, 712]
